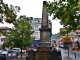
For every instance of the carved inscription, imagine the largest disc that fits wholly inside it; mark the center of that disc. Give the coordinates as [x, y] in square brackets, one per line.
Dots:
[42, 55]
[42, 49]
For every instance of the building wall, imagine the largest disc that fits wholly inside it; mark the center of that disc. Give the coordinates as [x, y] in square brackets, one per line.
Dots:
[36, 24]
[3, 31]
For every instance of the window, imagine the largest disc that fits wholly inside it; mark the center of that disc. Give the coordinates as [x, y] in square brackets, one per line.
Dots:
[7, 30]
[36, 35]
[32, 28]
[38, 21]
[36, 28]
[30, 21]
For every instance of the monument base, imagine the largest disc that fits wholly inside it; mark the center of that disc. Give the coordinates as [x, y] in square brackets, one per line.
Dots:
[43, 53]
[44, 48]
[45, 44]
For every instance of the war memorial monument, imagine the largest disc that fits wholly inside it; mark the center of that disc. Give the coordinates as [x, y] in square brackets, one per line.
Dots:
[44, 50]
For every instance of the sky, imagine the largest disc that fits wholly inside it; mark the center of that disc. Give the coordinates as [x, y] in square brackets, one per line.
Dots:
[32, 8]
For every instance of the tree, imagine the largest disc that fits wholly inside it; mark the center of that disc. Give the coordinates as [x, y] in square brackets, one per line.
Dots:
[20, 34]
[67, 11]
[8, 13]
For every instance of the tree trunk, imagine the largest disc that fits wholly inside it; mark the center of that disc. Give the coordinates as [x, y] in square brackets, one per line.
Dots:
[67, 31]
[21, 51]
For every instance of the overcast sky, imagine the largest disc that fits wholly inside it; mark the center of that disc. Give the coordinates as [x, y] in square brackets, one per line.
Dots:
[32, 8]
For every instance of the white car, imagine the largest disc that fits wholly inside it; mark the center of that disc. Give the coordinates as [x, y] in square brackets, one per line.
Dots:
[16, 49]
[61, 46]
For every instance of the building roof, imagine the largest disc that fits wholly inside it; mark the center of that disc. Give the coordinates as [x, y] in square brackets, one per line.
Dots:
[37, 20]
[4, 28]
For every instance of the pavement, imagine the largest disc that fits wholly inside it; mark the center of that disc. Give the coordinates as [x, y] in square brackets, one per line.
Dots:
[72, 55]
[21, 58]
[64, 53]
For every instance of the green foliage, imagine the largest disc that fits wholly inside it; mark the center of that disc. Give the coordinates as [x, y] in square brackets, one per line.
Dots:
[20, 34]
[10, 12]
[67, 11]
[6, 44]
[63, 33]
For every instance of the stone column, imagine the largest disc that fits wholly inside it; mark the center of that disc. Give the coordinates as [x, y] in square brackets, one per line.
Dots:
[43, 51]
[45, 31]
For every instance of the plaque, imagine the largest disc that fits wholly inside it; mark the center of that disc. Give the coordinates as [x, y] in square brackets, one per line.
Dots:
[42, 54]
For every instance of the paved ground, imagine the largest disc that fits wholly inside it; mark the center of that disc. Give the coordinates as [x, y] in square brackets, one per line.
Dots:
[71, 55]
[21, 58]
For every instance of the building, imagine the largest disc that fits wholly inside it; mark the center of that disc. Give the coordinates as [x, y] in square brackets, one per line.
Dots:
[36, 24]
[3, 31]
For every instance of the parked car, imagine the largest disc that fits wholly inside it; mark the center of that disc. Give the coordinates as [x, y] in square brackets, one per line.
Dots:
[8, 55]
[16, 49]
[61, 46]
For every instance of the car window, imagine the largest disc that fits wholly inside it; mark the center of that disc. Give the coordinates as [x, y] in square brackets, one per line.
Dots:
[15, 49]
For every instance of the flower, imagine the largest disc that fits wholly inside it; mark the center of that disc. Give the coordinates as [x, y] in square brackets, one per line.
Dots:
[67, 40]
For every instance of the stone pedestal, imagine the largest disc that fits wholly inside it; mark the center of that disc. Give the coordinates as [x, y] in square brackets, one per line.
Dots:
[42, 53]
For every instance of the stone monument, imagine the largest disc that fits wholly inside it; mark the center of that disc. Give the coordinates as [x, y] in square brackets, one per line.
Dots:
[45, 31]
[44, 50]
